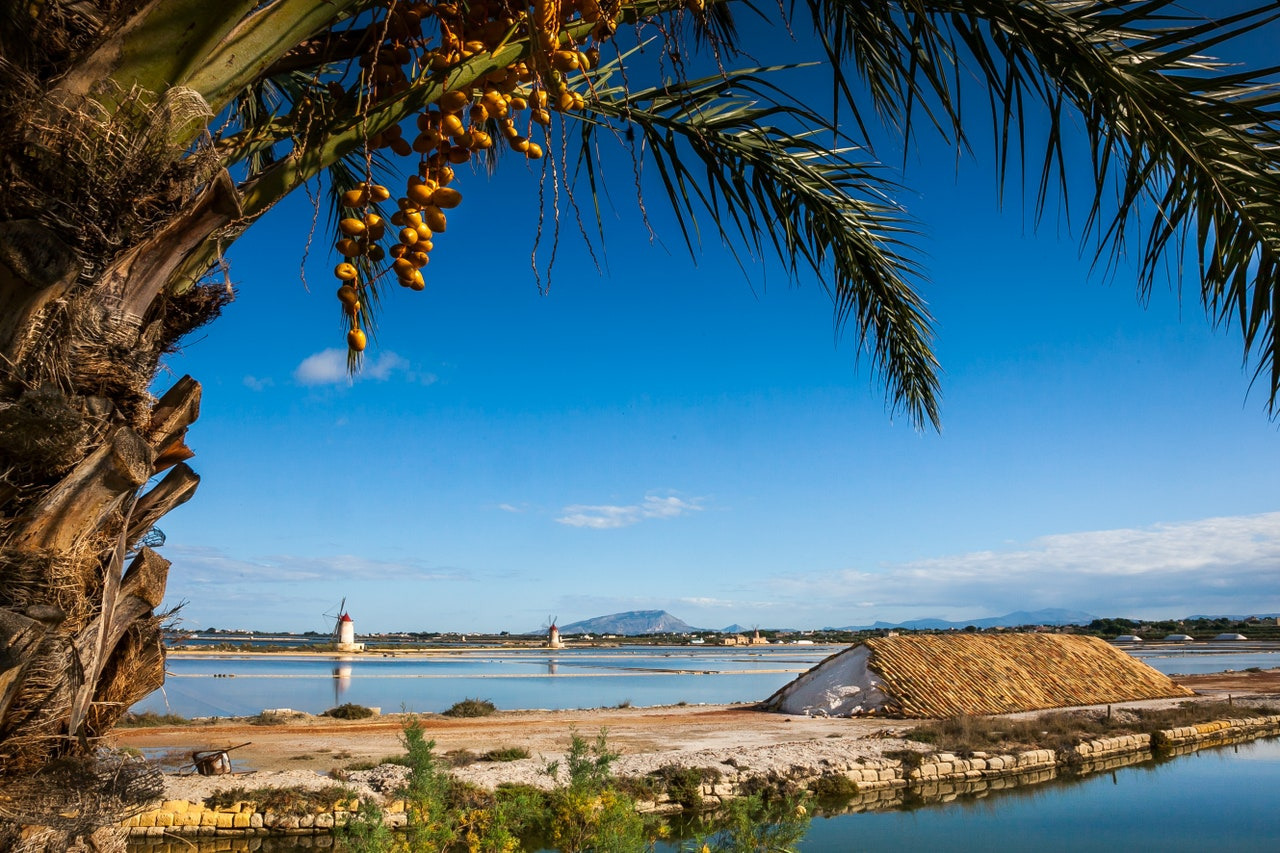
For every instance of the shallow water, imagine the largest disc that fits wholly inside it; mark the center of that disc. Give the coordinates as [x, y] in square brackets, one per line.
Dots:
[240, 685]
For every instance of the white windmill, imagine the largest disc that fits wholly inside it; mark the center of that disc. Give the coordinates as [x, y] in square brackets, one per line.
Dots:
[344, 630]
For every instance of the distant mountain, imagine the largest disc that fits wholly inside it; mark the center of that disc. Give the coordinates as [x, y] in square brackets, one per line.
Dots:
[629, 624]
[1048, 616]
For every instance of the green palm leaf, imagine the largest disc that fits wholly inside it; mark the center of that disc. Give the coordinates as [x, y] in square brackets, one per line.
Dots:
[743, 153]
[1186, 157]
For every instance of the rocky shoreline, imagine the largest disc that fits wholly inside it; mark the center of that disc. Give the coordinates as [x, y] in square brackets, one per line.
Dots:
[876, 780]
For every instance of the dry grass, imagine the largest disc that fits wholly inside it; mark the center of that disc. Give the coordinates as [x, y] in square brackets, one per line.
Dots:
[292, 801]
[964, 735]
[150, 719]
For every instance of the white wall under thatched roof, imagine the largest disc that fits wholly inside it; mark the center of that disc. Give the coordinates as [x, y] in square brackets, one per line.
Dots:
[840, 686]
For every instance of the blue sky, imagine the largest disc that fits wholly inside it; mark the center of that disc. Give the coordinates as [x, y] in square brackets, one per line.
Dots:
[669, 434]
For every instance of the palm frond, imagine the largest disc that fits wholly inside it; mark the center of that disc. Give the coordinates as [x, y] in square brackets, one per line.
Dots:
[738, 149]
[1186, 153]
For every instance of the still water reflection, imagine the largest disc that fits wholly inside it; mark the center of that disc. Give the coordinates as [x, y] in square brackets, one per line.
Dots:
[1217, 799]
[240, 685]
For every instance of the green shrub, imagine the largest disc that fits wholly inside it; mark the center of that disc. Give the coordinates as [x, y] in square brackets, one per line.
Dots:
[150, 719]
[460, 758]
[365, 832]
[507, 753]
[471, 708]
[683, 785]
[349, 711]
[834, 787]
[588, 765]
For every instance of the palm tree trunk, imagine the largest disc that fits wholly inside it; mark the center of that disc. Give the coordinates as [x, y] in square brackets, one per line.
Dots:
[80, 440]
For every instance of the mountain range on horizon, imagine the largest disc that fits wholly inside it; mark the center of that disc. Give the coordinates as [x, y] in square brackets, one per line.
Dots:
[636, 622]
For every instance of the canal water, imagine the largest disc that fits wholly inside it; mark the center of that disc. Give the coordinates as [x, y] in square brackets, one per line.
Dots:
[242, 685]
[1216, 799]
[1221, 799]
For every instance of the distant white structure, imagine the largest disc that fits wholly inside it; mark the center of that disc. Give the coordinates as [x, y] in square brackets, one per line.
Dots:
[1231, 637]
[1178, 638]
[347, 635]
[553, 637]
[1128, 638]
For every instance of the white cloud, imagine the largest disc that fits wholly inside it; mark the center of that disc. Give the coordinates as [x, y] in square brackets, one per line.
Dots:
[256, 384]
[381, 367]
[512, 508]
[605, 517]
[329, 367]
[1214, 565]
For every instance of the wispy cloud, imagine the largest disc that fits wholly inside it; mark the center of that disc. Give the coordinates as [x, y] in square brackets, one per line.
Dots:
[258, 384]
[604, 517]
[1214, 565]
[213, 566]
[514, 508]
[329, 367]
[723, 603]
[383, 365]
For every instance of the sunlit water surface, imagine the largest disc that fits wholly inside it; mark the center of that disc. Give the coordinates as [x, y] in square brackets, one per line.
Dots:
[240, 685]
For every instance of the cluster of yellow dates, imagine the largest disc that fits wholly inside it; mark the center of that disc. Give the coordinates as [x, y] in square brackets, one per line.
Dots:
[461, 122]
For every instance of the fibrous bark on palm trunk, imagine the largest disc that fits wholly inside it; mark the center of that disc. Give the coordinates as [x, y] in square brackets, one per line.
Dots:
[87, 312]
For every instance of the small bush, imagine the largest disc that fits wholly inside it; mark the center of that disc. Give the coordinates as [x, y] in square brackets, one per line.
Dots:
[370, 763]
[365, 832]
[459, 758]
[507, 753]
[910, 758]
[588, 765]
[471, 708]
[771, 789]
[683, 785]
[349, 711]
[150, 719]
[834, 787]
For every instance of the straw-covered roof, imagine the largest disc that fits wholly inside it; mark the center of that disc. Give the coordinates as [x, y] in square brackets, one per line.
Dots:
[942, 675]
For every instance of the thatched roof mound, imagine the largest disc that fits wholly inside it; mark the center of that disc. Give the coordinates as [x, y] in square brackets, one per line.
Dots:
[943, 675]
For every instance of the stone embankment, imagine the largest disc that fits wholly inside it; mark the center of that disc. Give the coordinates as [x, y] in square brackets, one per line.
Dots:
[880, 782]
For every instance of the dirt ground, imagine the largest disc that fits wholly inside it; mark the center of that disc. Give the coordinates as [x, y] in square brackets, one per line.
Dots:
[304, 750]
[318, 743]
